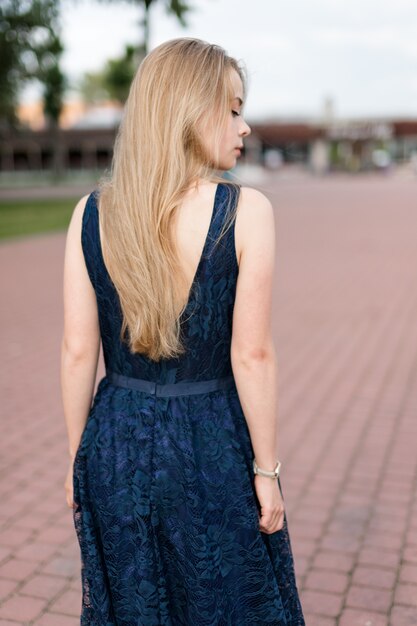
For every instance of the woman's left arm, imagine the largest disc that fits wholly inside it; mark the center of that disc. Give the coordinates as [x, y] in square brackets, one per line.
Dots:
[80, 346]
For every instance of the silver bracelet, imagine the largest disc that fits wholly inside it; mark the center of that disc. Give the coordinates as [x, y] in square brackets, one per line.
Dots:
[258, 470]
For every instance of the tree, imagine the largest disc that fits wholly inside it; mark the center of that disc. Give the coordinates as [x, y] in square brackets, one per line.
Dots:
[115, 79]
[178, 8]
[55, 84]
[118, 73]
[30, 48]
[91, 87]
[52, 78]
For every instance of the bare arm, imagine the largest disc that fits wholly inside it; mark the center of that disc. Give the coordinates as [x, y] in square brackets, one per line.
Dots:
[80, 347]
[253, 351]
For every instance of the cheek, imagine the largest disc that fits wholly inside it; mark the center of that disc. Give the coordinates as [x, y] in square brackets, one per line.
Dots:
[230, 135]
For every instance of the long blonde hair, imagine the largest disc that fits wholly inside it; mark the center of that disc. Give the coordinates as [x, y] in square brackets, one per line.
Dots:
[157, 155]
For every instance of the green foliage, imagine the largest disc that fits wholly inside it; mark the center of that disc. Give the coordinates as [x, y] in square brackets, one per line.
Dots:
[115, 79]
[55, 84]
[334, 156]
[118, 73]
[178, 8]
[91, 87]
[30, 48]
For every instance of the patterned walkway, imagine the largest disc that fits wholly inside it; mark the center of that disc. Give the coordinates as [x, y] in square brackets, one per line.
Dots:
[345, 317]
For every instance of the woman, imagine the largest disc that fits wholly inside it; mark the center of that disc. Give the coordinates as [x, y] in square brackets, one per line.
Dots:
[173, 473]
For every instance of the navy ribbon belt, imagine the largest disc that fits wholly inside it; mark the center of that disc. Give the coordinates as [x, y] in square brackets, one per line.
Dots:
[170, 389]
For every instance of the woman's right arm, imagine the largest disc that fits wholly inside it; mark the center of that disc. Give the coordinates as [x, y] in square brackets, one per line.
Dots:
[253, 353]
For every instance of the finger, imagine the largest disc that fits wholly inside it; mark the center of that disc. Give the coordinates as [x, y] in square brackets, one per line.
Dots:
[275, 524]
[70, 501]
[266, 526]
[280, 522]
[266, 520]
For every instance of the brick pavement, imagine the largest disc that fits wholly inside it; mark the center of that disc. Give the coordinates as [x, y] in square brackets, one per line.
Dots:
[345, 316]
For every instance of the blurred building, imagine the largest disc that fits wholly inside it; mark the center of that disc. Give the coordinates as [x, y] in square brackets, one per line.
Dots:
[87, 134]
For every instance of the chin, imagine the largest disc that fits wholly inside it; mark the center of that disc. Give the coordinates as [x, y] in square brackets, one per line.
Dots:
[227, 164]
[231, 164]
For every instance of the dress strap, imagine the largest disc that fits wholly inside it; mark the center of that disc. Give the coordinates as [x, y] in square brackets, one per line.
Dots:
[227, 199]
[90, 237]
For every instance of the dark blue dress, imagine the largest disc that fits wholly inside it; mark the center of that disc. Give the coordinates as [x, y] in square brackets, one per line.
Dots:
[166, 513]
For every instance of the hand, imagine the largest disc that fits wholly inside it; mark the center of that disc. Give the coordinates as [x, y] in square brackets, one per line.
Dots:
[69, 485]
[271, 502]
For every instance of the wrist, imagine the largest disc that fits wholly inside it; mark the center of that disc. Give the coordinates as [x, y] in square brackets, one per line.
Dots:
[270, 473]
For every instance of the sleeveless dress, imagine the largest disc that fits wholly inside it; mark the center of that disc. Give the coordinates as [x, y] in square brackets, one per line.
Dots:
[165, 509]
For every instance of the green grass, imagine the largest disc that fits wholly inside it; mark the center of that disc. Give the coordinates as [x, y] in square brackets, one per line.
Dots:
[27, 217]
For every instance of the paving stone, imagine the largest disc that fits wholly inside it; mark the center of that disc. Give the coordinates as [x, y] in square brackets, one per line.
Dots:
[408, 573]
[61, 566]
[354, 617]
[410, 554]
[326, 580]
[44, 586]
[55, 619]
[374, 577]
[22, 608]
[321, 603]
[403, 616]
[383, 558]
[7, 587]
[36, 551]
[406, 594]
[319, 620]
[17, 569]
[69, 603]
[365, 597]
[334, 560]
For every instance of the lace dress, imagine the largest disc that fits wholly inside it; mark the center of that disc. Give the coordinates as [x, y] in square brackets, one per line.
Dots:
[166, 513]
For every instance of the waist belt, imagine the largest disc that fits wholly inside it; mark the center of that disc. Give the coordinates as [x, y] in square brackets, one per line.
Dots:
[170, 389]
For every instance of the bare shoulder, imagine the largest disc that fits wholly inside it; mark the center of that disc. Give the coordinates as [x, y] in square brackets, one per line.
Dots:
[74, 228]
[80, 206]
[255, 217]
[253, 197]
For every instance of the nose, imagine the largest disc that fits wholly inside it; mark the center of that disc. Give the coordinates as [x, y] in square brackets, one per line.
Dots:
[245, 130]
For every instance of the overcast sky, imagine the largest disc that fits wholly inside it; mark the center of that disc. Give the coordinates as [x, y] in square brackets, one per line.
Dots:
[361, 53]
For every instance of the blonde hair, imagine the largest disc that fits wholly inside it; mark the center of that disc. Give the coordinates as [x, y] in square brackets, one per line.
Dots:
[157, 155]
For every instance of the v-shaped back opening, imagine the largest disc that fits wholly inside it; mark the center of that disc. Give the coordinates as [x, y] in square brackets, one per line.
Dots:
[203, 251]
